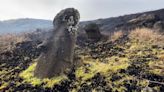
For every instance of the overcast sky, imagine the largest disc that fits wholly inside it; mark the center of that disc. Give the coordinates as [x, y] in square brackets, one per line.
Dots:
[89, 9]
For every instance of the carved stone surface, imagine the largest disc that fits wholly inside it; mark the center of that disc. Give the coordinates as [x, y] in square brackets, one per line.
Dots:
[58, 56]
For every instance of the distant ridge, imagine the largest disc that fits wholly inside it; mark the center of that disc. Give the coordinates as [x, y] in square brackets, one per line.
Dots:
[23, 25]
[106, 24]
[109, 24]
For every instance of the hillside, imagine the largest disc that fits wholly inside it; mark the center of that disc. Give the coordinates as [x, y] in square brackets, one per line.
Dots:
[122, 22]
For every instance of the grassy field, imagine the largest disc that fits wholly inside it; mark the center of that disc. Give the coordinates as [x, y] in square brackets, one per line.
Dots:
[130, 62]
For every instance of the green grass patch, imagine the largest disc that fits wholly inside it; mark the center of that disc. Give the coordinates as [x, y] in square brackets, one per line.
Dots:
[4, 85]
[95, 66]
[28, 76]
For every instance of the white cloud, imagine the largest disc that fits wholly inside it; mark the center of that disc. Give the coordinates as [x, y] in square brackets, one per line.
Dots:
[89, 9]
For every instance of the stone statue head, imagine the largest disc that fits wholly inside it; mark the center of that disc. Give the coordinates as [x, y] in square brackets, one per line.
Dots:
[69, 17]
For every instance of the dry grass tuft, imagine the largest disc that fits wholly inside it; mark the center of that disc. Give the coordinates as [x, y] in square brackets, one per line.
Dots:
[116, 35]
[146, 35]
[8, 41]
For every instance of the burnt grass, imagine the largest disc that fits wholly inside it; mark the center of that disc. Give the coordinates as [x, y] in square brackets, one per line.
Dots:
[14, 61]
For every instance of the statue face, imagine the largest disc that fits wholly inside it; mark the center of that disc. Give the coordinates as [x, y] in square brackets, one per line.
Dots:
[69, 16]
[71, 25]
[70, 21]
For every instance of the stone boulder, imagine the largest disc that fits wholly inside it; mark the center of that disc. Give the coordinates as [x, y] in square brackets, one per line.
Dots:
[159, 26]
[93, 32]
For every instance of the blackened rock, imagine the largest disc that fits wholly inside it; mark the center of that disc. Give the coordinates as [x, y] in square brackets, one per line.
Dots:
[159, 26]
[93, 32]
[145, 20]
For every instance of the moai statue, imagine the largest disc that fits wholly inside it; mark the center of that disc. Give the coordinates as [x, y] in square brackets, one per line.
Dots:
[93, 32]
[59, 53]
